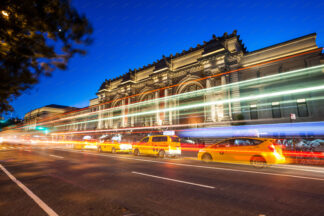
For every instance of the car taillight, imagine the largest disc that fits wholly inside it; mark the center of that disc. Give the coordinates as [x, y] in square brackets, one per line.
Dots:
[278, 144]
[272, 147]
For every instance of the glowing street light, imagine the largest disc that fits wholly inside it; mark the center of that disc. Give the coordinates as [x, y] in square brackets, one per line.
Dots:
[5, 13]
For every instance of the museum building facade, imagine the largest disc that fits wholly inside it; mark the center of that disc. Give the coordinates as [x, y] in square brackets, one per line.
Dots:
[156, 94]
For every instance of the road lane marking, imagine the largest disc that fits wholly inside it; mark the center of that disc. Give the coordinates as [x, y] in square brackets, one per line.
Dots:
[196, 166]
[56, 156]
[175, 180]
[301, 168]
[41, 204]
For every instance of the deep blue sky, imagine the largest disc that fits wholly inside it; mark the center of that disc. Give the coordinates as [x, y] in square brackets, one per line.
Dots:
[133, 33]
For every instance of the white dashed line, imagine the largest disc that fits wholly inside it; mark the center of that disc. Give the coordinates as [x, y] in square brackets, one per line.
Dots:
[196, 166]
[41, 204]
[56, 156]
[174, 180]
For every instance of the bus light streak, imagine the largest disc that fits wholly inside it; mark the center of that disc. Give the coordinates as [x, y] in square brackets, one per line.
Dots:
[241, 99]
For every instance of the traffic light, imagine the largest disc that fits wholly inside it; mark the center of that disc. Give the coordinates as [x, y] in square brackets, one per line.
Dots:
[44, 129]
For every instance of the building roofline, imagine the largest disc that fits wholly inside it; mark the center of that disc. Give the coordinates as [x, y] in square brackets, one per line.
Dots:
[282, 43]
[162, 61]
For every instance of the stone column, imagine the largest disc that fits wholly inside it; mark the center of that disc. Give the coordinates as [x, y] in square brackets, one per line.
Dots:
[235, 93]
[166, 105]
[99, 117]
[132, 111]
[123, 120]
[170, 105]
[209, 97]
[158, 120]
[224, 93]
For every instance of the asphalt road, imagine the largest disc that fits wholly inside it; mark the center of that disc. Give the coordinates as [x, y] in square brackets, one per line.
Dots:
[41, 180]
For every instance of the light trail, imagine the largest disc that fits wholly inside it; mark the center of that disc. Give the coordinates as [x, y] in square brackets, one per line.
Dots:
[220, 102]
[228, 72]
[202, 92]
[179, 84]
[260, 130]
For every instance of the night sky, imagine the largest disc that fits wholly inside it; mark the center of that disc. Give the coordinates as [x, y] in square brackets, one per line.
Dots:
[130, 34]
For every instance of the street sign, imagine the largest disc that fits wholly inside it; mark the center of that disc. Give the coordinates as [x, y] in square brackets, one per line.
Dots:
[169, 133]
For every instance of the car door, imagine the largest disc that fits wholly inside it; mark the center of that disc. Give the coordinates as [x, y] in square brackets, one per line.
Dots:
[164, 143]
[221, 151]
[107, 145]
[241, 149]
[143, 145]
[246, 148]
[155, 144]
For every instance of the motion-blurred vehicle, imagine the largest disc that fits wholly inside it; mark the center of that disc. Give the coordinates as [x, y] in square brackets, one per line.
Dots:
[316, 145]
[106, 145]
[158, 145]
[188, 144]
[86, 143]
[259, 152]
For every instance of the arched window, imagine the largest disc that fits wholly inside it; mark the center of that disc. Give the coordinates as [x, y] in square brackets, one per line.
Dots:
[190, 88]
[147, 119]
[117, 112]
[191, 115]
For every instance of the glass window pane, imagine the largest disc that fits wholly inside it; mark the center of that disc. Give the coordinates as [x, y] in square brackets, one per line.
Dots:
[302, 109]
[276, 113]
[254, 112]
[164, 139]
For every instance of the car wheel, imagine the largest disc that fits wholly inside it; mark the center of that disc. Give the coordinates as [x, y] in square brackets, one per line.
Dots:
[258, 161]
[136, 152]
[113, 150]
[207, 158]
[99, 149]
[161, 154]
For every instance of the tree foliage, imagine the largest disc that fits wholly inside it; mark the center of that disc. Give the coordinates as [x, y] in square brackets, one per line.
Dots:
[36, 37]
[9, 122]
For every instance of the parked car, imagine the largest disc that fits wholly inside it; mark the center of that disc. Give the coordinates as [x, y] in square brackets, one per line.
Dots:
[257, 151]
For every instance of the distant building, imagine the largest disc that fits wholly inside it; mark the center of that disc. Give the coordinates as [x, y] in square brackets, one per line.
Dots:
[35, 116]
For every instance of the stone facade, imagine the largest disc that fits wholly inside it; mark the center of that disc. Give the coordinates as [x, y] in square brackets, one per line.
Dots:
[147, 96]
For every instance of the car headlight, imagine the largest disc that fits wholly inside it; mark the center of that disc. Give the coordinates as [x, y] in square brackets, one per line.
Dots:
[125, 146]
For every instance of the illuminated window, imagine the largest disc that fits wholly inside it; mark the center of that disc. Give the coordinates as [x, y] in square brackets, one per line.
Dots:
[302, 108]
[276, 113]
[253, 111]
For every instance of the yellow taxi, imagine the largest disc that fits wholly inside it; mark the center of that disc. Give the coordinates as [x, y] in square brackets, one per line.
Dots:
[259, 152]
[85, 144]
[114, 147]
[158, 145]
